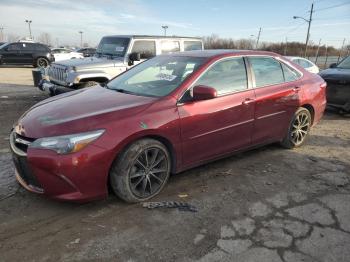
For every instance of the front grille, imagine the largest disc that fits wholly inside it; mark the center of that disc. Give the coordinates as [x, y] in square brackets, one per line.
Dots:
[19, 145]
[57, 73]
[24, 170]
[22, 142]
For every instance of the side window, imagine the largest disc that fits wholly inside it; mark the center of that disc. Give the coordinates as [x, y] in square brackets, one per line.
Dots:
[289, 73]
[15, 47]
[192, 45]
[42, 48]
[226, 76]
[267, 71]
[170, 46]
[147, 49]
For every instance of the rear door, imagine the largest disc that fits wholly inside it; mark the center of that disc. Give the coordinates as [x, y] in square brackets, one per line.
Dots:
[210, 128]
[277, 97]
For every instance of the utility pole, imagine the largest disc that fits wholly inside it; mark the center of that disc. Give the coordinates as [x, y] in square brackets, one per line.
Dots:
[318, 49]
[258, 38]
[285, 47]
[81, 38]
[326, 55]
[165, 27]
[308, 28]
[2, 33]
[30, 30]
[341, 50]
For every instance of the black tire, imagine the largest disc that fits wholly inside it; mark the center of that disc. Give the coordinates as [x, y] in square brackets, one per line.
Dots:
[132, 176]
[88, 84]
[42, 62]
[299, 129]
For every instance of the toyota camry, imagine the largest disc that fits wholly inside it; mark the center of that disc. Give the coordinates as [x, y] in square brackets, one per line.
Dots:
[166, 115]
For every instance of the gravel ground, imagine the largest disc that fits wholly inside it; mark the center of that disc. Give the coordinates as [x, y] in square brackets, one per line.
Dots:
[268, 204]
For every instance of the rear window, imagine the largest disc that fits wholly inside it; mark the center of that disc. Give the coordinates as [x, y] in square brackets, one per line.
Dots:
[41, 48]
[267, 71]
[192, 45]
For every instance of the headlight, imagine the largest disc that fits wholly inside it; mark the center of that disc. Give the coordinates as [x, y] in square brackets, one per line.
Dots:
[68, 143]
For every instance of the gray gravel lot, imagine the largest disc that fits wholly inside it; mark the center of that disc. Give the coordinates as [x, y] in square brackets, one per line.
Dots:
[269, 204]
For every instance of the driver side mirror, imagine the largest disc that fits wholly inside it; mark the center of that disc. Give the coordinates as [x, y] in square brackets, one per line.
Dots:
[333, 65]
[135, 57]
[203, 93]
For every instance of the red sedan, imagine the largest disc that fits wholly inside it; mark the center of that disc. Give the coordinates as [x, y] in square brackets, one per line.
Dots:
[166, 115]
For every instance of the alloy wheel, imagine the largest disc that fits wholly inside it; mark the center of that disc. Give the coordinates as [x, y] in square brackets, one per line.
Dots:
[149, 172]
[42, 62]
[300, 128]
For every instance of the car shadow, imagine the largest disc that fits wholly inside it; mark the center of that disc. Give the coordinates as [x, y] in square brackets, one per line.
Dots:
[16, 66]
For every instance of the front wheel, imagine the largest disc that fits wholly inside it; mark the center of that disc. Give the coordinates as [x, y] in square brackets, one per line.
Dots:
[141, 171]
[298, 129]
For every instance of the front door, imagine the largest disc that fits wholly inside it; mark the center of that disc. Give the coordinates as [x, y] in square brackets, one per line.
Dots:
[12, 54]
[27, 51]
[211, 128]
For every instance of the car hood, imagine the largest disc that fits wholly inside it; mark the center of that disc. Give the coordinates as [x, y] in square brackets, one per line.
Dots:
[336, 74]
[91, 62]
[79, 111]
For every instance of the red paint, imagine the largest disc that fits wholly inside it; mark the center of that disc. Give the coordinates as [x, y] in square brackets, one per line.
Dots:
[196, 131]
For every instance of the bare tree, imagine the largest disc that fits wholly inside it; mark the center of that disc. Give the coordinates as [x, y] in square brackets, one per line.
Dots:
[45, 38]
[12, 38]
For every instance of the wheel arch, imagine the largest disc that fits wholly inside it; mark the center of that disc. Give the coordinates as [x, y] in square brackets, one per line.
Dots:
[99, 79]
[311, 110]
[165, 141]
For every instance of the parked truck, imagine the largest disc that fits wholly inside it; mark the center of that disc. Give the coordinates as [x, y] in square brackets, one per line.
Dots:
[114, 55]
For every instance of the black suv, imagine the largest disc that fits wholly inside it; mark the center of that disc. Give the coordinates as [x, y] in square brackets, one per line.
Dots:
[338, 85]
[23, 53]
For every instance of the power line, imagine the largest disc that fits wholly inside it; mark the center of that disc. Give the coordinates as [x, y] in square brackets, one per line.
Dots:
[333, 6]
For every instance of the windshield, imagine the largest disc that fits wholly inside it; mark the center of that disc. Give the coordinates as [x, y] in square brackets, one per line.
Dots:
[3, 45]
[345, 63]
[113, 46]
[156, 77]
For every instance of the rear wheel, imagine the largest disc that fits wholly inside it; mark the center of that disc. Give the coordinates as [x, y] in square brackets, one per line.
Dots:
[141, 171]
[299, 128]
[42, 62]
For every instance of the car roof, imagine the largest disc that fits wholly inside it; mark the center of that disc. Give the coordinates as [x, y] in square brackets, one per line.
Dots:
[222, 52]
[154, 36]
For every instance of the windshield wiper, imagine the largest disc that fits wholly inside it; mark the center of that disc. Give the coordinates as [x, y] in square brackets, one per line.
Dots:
[120, 90]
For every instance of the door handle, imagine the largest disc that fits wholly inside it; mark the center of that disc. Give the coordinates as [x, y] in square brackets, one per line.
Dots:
[296, 89]
[247, 101]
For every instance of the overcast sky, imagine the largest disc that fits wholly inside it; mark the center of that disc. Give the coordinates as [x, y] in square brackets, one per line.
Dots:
[226, 18]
